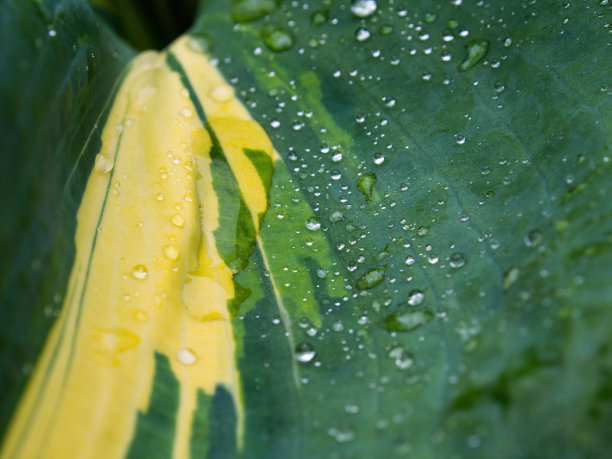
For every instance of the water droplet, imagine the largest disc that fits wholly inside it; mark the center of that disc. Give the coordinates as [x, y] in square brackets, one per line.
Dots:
[186, 356]
[533, 238]
[403, 359]
[249, 10]
[422, 231]
[222, 93]
[476, 50]
[371, 279]
[510, 277]
[160, 196]
[460, 139]
[415, 297]
[140, 272]
[363, 8]
[103, 164]
[337, 157]
[171, 252]
[336, 217]
[379, 158]
[304, 352]
[457, 260]
[140, 315]
[178, 221]
[313, 224]
[366, 184]
[278, 38]
[185, 112]
[407, 321]
[362, 34]
[202, 43]
[430, 17]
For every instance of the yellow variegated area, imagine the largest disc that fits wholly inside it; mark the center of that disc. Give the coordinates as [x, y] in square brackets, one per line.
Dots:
[147, 276]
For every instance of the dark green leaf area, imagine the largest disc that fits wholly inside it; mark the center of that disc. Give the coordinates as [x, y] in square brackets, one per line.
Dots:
[155, 428]
[490, 198]
[60, 70]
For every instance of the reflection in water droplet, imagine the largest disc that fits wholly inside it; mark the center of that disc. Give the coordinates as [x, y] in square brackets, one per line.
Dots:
[457, 260]
[415, 297]
[140, 272]
[304, 352]
[186, 356]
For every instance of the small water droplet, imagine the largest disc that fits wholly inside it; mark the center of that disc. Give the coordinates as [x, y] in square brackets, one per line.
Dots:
[103, 164]
[533, 238]
[422, 231]
[304, 352]
[319, 17]
[457, 260]
[460, 139]
[186, 356]
[510, 277]
[202, 43]
[160, 196]
[336, 217]
[171, 252]
[140, 272]
[363, 8]
[140, 315]
[337, 157]
[402, 358]
[278, 38]
[185, 112]
[415, 297]
[313, 224]
[222, 93]
[362, 34]
[178, 221]
[379, 158]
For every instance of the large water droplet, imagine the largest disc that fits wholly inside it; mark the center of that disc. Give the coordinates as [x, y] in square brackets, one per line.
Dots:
[407, 321]
[476, 50]
[140, 272]
[363, 8]
[371, 279]
[304, 352]
[366, 184]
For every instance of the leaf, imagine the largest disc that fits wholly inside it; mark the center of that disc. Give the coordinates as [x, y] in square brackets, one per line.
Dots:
[484, 240]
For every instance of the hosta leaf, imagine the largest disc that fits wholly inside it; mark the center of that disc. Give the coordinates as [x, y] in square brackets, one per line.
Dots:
[430, 278]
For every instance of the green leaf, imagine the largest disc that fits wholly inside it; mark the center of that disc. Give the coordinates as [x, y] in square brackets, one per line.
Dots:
[431, 278]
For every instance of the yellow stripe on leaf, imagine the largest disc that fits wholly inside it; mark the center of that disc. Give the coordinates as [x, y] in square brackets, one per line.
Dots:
[147, 277]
